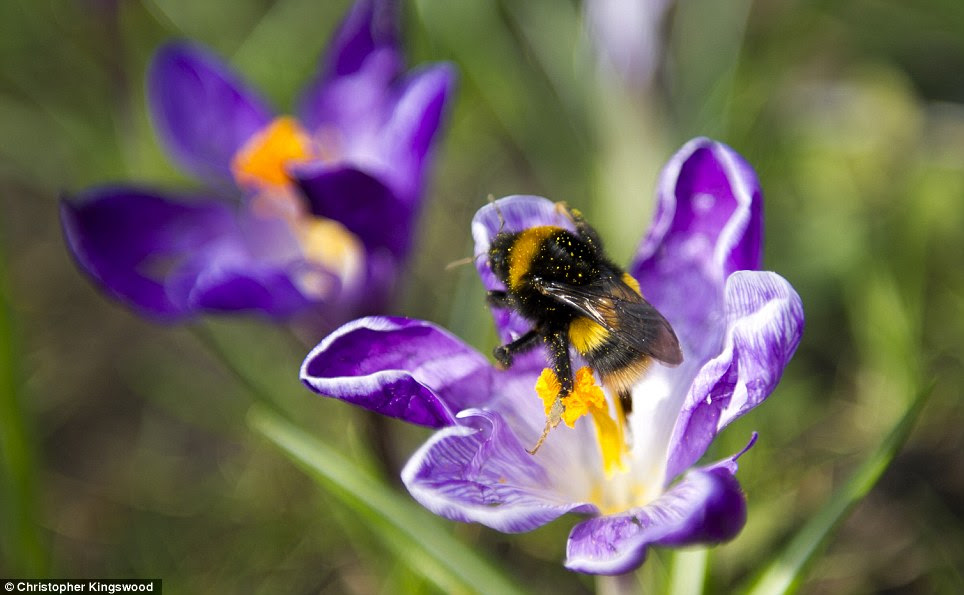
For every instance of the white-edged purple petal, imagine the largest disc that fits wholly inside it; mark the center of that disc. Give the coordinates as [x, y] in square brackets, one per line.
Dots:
[764, 324]
[407, 369]
[509, 214]
[479, 472]
[173, 257]
[708, 223]
[202, 111]
[705, 506]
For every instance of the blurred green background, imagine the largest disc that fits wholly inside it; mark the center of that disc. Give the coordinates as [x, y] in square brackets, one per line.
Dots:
[125, 450]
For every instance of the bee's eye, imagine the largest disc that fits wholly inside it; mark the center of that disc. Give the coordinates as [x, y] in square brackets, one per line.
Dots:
[497, 262]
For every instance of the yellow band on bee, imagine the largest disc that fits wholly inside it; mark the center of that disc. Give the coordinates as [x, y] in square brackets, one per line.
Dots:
[524, 250]
[632, 282]
[586, 335]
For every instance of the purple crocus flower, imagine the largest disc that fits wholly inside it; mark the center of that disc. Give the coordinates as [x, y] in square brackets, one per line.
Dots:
[299, 212]
[626, 35]
[737, 326]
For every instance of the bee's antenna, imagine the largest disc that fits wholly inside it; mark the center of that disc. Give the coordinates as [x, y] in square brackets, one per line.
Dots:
[498, 212]
[463, 261]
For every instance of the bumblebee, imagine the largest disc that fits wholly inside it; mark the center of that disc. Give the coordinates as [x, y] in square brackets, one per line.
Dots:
[573, 294]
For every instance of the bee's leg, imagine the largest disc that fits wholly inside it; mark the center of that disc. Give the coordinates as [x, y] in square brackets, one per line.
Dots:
[505, 353]
[586, 231]
[558, 343]
[499, 299]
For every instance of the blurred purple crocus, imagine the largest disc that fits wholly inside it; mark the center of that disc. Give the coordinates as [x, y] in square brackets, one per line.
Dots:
[738, 328]
[314, 211]
[627, 36]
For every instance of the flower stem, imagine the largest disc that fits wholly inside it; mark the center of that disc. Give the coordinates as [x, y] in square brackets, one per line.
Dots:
[620, 584]
[688, 571]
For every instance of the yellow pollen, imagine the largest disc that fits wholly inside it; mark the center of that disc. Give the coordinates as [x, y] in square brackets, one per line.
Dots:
[262, 161]
[548, 387]
[587, 397]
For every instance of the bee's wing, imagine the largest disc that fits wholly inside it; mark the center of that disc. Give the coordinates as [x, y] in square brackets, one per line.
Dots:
[623, 313]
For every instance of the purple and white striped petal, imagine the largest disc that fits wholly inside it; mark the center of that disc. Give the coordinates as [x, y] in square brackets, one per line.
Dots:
[764, 324]
[202, 111]
[708, 223]
[407, 369]
[706, 506]
[480, 472]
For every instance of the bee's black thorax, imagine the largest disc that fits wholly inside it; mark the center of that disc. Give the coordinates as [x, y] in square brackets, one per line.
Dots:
[545, 253]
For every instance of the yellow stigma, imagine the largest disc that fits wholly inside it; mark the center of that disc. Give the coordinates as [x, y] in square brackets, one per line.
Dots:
[612, 440]
[262, 161]
[587, 397]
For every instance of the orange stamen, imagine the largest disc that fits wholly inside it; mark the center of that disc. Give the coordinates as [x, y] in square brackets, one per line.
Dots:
[263, 160]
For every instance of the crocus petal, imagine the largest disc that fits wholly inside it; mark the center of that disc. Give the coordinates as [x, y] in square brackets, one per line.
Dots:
[764, 323]
[509, 214]
[370, 25]
[479, 472]
[708, 223]
[360, 202]
[706, 506]
[242, 284]
[627, 35]
[412, 125]
[408, 369]
[203, 112]
[169, 258]
[122, 237]
[362, 60]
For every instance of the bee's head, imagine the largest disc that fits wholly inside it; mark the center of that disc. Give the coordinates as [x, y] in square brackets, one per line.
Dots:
[499, 254]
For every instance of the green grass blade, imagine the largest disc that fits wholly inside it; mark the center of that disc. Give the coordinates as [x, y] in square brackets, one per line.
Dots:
[20, 540]
[415, 535]
[785, 572]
